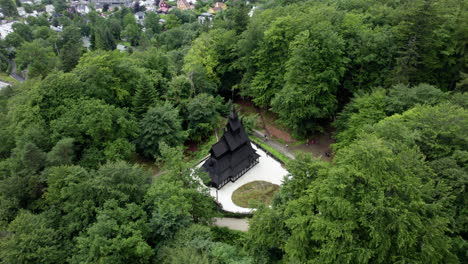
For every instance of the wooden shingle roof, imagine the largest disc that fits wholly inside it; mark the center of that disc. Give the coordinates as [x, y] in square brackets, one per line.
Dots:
[232, 154]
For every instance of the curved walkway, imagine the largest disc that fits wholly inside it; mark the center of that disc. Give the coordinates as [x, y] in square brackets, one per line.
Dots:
[268, 169]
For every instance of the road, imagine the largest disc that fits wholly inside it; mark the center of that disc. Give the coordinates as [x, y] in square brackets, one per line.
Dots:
[13, 73]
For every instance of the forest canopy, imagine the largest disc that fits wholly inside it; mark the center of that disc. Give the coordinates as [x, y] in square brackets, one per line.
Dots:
[388, 77]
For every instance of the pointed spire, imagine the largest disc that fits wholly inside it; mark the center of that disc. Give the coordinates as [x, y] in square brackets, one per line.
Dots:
[233, 114]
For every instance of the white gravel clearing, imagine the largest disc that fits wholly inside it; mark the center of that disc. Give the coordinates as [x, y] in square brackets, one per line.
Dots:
[268, 169]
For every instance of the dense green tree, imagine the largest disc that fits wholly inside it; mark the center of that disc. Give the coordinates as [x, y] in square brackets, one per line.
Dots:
[174, 204]
[146, 97]
[180, 88]
[128, 19]
[196, 244]
[122, 182]
[37, 57]
[102, 37]
[31, 239]
[206, 51]
[363, 110]
[203, 115]
[28, 8]
[70, 195]
[161, 124]
[59, 5]
[368, 109]
[114, 77]
[14, 40]
[370, 50]
[272, 55]
[428, 44]
[93, 124]
[117, 236]
[185, 16]
[30, 158]
[180, 36]
[115, 26]
[38, 21]
[172, 22]
[62, 153]
[373, 206]
[25, 31]
[131, 33]
[156, 60]
[313, 74]
[401, 98]
[43, 32]
[8, 8]
[235, 17]
[151, 22]
[56, 88]
[71, 47]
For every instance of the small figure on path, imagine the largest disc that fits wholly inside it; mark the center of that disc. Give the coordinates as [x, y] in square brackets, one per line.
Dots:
[287, 145]
[327, 154]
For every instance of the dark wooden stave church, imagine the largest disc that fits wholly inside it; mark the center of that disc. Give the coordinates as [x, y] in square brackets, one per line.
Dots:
[232, 156]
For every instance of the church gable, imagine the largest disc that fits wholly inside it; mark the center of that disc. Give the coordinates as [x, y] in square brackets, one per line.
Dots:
[232, 155]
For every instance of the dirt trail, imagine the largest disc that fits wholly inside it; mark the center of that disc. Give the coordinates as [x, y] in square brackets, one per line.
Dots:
[274, 144]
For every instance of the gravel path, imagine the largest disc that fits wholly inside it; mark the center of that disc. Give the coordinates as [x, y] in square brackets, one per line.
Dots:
[241, 224]
[274, 144]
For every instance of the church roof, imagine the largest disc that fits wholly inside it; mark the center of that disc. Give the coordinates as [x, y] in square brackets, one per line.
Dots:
[232, 154]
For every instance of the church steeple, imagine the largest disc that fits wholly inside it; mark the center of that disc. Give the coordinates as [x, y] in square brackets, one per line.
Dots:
[234, 123]
[232, 155]
[233, 112]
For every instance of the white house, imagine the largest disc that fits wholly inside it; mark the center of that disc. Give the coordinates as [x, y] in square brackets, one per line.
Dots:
[50, 9]
[21, 11]
[80, 7]
[205, 18]
[140, 16]
[6, 29]
[149, 5]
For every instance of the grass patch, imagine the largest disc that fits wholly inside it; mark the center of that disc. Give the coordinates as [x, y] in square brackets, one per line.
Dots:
[260, 191]
[280, 140]
[283, 158]
[6, 77]
[125, 43]
[299, 142]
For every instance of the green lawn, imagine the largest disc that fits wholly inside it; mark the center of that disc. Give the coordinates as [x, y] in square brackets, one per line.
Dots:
[283, 158]
[257, 191]
[125, 43]
[6, 78]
